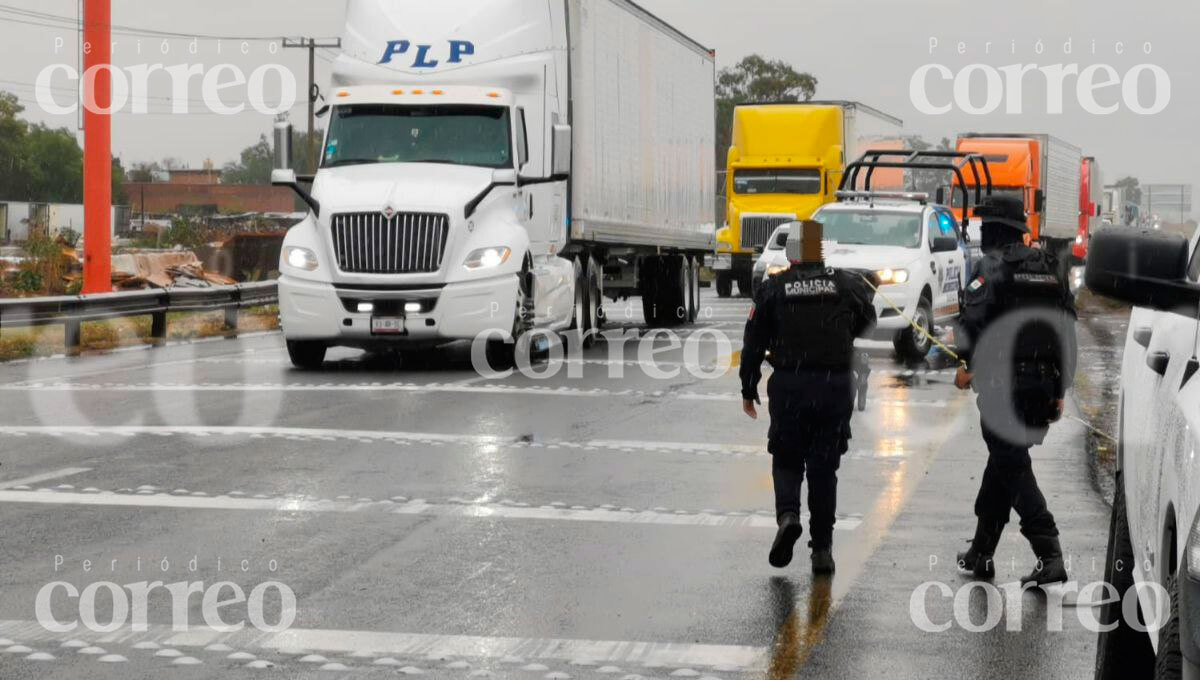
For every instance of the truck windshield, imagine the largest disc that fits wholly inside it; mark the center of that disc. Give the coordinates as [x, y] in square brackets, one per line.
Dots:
[804, 182]
[872, 228]
[387, 133]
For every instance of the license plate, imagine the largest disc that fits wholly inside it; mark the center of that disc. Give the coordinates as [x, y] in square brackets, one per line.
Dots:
[388, 326]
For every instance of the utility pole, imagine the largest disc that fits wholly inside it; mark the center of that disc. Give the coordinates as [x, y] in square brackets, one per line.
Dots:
[311, 44]
[97, 147]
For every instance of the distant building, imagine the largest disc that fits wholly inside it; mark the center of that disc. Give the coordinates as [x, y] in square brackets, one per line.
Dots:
[208, 175]
[19, 220]
[1171, 202]
[189, 197]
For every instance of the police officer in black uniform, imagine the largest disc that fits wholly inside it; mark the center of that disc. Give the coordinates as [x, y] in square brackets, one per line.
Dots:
[807, 318]
[1017, 335]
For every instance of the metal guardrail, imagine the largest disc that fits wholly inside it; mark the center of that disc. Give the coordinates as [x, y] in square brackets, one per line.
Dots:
[72, 311]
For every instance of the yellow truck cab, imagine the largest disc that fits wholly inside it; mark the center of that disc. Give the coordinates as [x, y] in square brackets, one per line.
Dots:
[785, 162]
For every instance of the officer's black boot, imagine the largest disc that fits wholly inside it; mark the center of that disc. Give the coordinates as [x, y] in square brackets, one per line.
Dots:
[785, 540]
[1050, 566]
[978, 559]
[822, 561]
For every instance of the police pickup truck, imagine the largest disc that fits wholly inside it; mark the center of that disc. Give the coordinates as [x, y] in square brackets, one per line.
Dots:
[917, 249]
[1154, 537]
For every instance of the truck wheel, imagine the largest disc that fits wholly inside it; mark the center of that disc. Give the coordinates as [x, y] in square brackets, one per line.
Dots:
[580, 310]
[724, 285]
[503, 355]
[664, 289]
[595, 299]
[1122, 652]
[746, 284]
[306, 355]
[1168, 664]
[694, 308]
[910, 344]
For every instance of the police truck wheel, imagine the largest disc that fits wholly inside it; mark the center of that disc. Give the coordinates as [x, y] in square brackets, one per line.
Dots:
[306, 355]
[724, 285]
[1123, 652]
[1168, 664]
[910, 344]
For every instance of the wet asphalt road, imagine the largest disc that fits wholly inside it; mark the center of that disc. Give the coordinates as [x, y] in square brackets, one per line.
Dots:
[606, 521]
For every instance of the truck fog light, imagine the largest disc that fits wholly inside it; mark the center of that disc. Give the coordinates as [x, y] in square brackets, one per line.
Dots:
[413, 307]
[300, 258]
[487, 258]
[366, 307]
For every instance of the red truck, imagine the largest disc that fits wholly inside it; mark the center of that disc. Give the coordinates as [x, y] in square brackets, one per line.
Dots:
[1091, 201]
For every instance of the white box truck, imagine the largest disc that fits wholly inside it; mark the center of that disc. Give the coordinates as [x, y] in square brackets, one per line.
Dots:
[495, 168]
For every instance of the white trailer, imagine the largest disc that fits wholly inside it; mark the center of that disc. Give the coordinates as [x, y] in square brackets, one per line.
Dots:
[495, 168]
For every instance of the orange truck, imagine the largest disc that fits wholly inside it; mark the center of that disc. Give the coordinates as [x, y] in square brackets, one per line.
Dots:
[1041, 170]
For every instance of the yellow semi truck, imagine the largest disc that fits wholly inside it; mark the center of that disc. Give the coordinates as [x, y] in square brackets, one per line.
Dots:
[786, 162]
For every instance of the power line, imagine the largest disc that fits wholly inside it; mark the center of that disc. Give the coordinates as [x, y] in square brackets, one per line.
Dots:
[60, 21]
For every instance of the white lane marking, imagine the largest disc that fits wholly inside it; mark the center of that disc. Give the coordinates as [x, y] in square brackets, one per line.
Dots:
[416, 507]
[45, 477]
[427, 388]
[425, 647]
[701, 448]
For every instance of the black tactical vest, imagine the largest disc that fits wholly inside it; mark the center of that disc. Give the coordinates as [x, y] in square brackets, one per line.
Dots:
[814, 318]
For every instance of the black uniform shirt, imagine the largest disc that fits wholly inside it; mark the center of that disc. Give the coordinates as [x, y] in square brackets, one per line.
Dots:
[808, 318]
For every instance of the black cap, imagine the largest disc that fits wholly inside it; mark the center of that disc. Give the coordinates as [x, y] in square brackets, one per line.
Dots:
[1003, 211]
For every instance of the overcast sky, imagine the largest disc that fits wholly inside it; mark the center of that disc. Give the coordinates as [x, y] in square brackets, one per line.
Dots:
[864, 50]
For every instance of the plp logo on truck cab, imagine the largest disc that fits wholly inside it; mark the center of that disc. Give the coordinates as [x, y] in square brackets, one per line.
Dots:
[422, 55]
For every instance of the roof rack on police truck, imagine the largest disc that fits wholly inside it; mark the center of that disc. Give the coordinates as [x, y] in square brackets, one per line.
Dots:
[917, 160]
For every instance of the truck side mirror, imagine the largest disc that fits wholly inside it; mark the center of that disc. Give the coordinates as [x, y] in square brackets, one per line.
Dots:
[560, 160]
[1039, 201]
[944, 244]
[940, 197]
[286, 177]
[1143, 268]
[283, 146]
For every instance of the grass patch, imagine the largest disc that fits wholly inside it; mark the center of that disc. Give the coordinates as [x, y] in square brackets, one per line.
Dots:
[101, 336]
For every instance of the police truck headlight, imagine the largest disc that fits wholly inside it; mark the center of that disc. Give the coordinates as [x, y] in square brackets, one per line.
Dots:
[777, 269]
[300, 258]
[487, 258]
[892, 276]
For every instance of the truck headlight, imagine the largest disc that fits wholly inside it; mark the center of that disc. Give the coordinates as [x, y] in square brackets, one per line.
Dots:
[891, 276]
[1193, 550]
[777, 269]
[487, 258]
[300, 258]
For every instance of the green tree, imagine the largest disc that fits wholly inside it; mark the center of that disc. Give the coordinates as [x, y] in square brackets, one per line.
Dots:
[756, 79]
[1135, 188]
[256, 162]
[14, 163]
[56, 165]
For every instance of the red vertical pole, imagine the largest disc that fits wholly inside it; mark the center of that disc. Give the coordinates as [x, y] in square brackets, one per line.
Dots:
[97, 147]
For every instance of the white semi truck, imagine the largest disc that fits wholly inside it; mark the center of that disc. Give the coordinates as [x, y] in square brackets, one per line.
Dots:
[493, 168]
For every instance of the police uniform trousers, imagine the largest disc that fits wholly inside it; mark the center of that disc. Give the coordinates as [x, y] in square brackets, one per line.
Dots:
[810, 430]
[1015, 418]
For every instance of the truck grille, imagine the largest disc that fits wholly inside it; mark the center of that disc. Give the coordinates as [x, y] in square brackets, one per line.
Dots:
[756, 231]
[406, 243]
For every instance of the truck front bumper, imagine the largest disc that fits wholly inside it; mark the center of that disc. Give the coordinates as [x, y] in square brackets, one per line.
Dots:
[457, 311]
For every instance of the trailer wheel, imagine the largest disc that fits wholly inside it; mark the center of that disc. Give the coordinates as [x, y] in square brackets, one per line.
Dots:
[306, 355]
[664, 290]
[724, 285]
[694, 283]
[595, 300]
